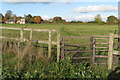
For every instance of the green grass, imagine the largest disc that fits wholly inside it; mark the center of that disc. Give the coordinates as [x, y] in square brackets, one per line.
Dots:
[65, 30]
[72, 29]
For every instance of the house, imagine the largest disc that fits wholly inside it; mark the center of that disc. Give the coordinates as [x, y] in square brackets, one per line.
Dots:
[11, 21]
[21, 21]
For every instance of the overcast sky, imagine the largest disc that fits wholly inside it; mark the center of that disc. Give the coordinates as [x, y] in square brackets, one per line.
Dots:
[83, 11]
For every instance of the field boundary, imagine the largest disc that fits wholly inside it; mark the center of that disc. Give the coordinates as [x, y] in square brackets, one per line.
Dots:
[109, 48]
[49, 42]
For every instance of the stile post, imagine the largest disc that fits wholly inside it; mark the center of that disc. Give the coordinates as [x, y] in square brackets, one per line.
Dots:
[31, 32]
[58, 46]
[49, 44]
[110, 52]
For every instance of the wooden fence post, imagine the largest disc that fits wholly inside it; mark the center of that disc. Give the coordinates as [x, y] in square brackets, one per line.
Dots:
[91, 47]
[110, 52]
[31, 32]
[21, 34]
[18, 55]
[49, 44]
[58, 46]
[62, 52]
[93, 58]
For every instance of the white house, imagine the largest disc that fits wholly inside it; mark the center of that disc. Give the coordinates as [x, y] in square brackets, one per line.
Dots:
[21, 21]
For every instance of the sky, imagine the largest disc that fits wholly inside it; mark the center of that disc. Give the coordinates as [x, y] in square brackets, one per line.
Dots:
[79, 11]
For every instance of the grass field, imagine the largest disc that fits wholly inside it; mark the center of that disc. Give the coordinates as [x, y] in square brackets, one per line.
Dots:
[72, 29]
[47, 69]
[65, 30]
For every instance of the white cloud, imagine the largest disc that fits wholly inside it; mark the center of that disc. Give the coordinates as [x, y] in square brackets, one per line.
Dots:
[83, 18]
[46, 17]
[96, 8]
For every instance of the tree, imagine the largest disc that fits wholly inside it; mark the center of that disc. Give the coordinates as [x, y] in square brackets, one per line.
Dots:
[98, 19]
[28, 18]
[19, 17]
[38, 19]
[1, 17]
[14, 16]
[112, 20]
[57, 19]
[8, 14]
[31, 20]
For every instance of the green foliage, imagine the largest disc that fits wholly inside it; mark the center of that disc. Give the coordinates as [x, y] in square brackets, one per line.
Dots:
[96, 22]
[63, 69]
[58, 20]
[112, 20]
[8, 14]
[76, 22]
[98, 19]
[29, 18]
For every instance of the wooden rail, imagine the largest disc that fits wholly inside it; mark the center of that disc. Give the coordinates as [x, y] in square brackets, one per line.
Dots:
[49, 42]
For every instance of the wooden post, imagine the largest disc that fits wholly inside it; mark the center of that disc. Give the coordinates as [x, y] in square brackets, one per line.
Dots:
[118, 43]
[91, 47]
[49, 44]
[62, 53]
[110, 52]
[31, 32]
[18, 55]
[93, 58]
[58, 46]
[21, 34]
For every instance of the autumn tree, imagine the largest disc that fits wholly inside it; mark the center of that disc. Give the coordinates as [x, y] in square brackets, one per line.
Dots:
[1, 17]
[112, 20]
[98, 19]
[19, 17]
[38, 19]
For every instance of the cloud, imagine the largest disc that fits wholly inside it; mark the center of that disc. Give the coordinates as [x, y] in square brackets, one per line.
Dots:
[96, 8]
[83, 18]
[46, 17]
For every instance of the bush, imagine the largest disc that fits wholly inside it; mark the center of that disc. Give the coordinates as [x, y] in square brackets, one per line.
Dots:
[63, 69]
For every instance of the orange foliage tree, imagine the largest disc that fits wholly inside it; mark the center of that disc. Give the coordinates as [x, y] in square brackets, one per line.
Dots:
[37, 19]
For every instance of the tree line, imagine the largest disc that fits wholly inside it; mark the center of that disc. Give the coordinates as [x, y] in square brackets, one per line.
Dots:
[38, 19]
